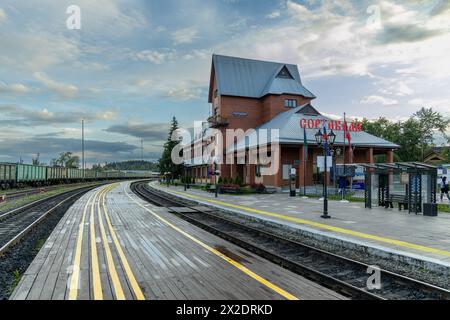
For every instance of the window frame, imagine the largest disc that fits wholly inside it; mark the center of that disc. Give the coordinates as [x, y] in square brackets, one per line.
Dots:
[290, 103]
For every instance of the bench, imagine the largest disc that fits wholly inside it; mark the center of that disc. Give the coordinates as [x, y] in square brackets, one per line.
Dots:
[401, 199]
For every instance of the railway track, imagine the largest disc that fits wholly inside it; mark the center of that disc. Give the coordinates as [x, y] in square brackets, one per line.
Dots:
[343, 275]
[9, 196]
[17, 223]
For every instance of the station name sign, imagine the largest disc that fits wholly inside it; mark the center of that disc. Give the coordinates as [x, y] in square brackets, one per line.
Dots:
[335, 125]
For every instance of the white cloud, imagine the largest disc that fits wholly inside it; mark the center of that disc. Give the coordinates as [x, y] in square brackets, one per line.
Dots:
[440, 105]
[2, 15]
[274, 14]
[404, 90]
[379, 100]
[15, 88]
[64, 90]
[156, 56]
[186, 35]
[186, 91]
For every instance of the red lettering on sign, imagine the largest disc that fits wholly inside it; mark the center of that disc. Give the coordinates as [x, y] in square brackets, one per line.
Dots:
[335, 125]
[302, 123]
[317, 124]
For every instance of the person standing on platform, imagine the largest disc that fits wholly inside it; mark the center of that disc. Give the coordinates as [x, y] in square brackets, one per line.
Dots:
[444, 188]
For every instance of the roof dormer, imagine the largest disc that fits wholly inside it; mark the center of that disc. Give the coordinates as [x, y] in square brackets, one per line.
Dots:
[284, 73]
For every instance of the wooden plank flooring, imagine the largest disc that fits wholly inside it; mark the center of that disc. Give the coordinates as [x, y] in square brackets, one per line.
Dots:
[151, 254]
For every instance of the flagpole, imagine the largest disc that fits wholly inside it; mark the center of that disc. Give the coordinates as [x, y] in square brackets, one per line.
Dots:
[345, 173]
[305, 160]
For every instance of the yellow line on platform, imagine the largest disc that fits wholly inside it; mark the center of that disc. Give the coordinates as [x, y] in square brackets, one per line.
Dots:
[236, 264]
[96, 279]
[74, 281]
[109, 258]
[130, 275]
[322, 226]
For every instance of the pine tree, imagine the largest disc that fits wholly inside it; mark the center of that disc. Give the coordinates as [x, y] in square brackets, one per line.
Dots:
[165, 164]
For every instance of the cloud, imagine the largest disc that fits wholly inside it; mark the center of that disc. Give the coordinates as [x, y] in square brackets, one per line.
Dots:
[379, 100]
[15, 88]
[186, 35]
[187, 91]
[274, 14]
[2, 16]
[64, 90]
[148, 131]
[19, 116]
[50, 147]
[406, 33]
[156, 56]
[441, 7]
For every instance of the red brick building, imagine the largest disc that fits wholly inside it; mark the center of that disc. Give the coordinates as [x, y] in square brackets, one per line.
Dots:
[249, 94]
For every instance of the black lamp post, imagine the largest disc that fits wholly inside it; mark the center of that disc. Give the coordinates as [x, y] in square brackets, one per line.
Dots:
[216, 177]
[325, 141]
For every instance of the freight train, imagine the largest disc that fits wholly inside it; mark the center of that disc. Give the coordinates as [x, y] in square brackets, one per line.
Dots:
[19, 175]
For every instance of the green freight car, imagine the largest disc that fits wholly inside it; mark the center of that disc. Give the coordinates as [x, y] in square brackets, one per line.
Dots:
[7, 175]
[26, 173]
[56, 174]
[75, 174]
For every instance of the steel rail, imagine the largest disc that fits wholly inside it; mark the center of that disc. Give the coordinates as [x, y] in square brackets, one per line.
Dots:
[398, 282]
[27, 228]
[18, 210]
[330, 282]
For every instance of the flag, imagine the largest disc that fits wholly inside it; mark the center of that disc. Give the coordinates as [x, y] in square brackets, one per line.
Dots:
[325, 140]
[305, 145]
[348, 136]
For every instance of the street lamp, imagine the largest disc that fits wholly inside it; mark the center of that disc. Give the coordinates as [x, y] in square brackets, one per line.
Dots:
[325, 141]
[216, 175]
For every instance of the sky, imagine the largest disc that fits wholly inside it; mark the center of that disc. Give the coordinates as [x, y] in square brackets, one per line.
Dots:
[135, 64]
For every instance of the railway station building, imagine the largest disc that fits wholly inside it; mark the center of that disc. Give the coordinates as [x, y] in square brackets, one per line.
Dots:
[250, 94]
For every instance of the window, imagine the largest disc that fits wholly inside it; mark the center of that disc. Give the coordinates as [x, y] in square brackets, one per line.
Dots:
[290, 103]
[240, 114]
[216, 93]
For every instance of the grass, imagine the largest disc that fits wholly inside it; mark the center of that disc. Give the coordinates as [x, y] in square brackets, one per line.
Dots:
[444, 207]
[39, 245]
[17, 275]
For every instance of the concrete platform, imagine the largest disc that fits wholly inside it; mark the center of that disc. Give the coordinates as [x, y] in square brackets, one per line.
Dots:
[417, 240]
[113, 245]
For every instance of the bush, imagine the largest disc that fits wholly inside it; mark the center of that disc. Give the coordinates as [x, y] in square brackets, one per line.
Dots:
[259, 187]
[238, 181]
[220, 180]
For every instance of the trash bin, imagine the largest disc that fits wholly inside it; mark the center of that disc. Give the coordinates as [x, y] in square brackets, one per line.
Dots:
[430, 209]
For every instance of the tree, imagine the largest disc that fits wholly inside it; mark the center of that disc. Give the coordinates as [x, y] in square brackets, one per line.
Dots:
[165, 164]
[430, 122]
[35, 161]
[67, 160]
[414, 135]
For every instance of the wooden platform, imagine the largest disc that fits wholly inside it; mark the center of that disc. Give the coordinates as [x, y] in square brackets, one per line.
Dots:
[113, 245]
